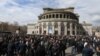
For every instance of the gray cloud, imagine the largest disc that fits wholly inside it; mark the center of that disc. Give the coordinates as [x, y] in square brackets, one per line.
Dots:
[27, 11]
[96, 22]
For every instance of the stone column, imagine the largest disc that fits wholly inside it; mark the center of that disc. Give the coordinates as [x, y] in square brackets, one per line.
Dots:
[65, 32]
[42, 29]
[53, 29]
[59, 28]
[76, 29]
[47, 28]
[66, 28]
[54, 15]
[44, 17]
[47, 16]
[51, 15]
[62, 15]
[69, 16]
[58, 15]
[70, 28]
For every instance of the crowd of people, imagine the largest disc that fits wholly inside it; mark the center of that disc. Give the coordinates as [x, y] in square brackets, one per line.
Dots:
[43, 45]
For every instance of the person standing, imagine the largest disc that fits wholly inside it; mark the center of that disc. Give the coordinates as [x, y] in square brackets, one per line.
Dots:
[87, 51]
[10, 48]
[22, 48]
[98, 50]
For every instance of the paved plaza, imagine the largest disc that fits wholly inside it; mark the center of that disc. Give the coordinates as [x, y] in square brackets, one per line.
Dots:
[68, 52]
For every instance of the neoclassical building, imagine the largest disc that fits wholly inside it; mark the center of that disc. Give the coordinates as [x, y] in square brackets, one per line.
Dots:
[57, 22]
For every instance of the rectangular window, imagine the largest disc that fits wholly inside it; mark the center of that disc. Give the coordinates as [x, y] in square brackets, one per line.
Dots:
[64, 16]
[68, 26]
[77, 33]
[60, 15]
[73, 32]
[49, 16]
[68, 32]
[53, 16]
[56, 15]
[33, 32]
[44, 32]
[56, 32]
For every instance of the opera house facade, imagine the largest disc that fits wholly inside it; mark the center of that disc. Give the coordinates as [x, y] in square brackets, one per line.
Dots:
[57, 22]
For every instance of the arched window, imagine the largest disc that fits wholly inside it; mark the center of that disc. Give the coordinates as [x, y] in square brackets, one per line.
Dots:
[73, 32]
[44, 17]
[56, 25]
[72, 16]
[56, 15]
[53, 15]
[49, 16]
[73, 26]
[56, 32]
[32, 32]
[68, 32]
[64, 15]
[40, 28]
[60, 15]
[67, 15]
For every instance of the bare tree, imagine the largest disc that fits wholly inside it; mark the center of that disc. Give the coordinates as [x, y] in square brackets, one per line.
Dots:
[6, 27]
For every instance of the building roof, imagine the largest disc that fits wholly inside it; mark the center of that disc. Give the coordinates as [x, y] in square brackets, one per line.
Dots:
[86, 24]
[58, 8]
[69, 9]
[30, 24]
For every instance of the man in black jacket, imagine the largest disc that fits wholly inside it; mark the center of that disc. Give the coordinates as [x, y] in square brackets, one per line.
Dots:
[87, 51]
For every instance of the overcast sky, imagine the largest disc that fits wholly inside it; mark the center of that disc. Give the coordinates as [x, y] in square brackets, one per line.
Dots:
[27, 11]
